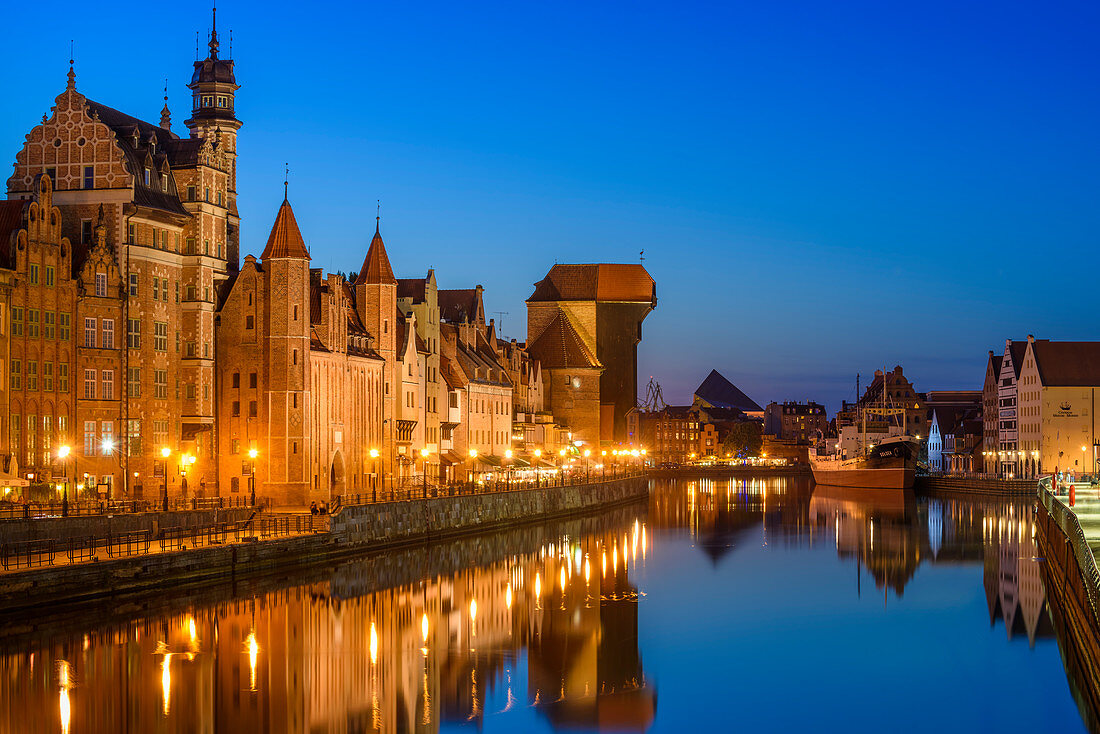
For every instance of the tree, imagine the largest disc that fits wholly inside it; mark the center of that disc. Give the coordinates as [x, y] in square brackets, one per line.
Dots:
[743, 439]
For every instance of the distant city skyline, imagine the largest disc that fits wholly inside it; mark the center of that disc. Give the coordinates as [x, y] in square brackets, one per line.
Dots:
[819, 190]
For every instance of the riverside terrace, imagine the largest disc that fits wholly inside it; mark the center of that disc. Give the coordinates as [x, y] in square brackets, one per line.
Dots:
[48, 559]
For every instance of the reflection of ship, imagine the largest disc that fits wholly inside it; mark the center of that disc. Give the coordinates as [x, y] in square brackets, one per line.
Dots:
[890, 464]
[876, 526]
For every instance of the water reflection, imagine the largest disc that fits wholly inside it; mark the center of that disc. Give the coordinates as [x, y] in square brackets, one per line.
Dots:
[333, 656]
[541, 623]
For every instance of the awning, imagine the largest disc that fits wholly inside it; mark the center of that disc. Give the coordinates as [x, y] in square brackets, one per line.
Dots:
[544, 464]
[488, 459]
[517, 461]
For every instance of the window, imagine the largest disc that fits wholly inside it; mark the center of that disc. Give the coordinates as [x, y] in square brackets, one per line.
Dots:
[189, 246]
[89, 438]
[107, 429]
[160, 384]
[62, 378]
[16, 321]
[47, 376]
[190, 349]
[160, 336]
[208, 100]
[108, 333]
[63, 326]
[89, 177]
[177, 291]
[235, 447]
[190, 391]
[219, 198]
[133, 284]
[133, 333]
[190, 292]
[251, 408]
[206, 194]
[49, 275]
[133, 382]
[295, 356]
[156, 288]
[89, 332]
[248, 323]
[89, 384]
[108, 379]
[32, 321]
[33, 272]
[190, 193]
[133, 438]
[236, 379]
[48, 318]
[130, 229]
[148, 175]
[236, 409]
[164, 181]
[252, 379]
[32, 375]
[221, 101]
[164, 290]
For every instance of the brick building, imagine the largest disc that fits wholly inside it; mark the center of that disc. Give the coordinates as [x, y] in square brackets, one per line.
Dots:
[801, 423]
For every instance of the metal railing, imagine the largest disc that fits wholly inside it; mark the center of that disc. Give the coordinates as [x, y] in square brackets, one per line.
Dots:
[1064, 517]
[411, 492]
[34, 510]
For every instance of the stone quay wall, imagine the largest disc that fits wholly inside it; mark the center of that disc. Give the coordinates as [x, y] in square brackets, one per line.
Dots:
[976, 485]
[354, 530]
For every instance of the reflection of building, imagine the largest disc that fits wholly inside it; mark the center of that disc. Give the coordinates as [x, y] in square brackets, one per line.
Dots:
[1014, 589]
[407, 657]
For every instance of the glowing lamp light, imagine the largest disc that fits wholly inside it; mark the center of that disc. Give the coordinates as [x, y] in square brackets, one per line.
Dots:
[561, 452]
[538, 453]
[374, 453]
[108, 444]
[425, 453]
[508, 453]
[473, 453]
[587, 453]
[62, 451]
[166, 452]
[253, 453]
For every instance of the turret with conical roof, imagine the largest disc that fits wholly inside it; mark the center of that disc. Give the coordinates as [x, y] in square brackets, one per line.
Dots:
[286, 357]
[376, 303]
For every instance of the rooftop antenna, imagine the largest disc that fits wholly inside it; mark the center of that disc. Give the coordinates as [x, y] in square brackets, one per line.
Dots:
[196, 45]
[641, 256]
[500, 320]
[286, 180]
[230, 44]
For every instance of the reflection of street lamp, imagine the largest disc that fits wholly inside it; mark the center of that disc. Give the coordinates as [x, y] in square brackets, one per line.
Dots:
[424, 454]
[374, 479]
[63, 453]
[252, 454]
[165, 452]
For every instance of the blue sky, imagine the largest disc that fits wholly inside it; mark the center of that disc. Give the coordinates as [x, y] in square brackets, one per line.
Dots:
[820, 188]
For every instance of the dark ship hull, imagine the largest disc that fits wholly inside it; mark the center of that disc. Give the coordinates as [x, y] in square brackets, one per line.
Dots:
[890, 465]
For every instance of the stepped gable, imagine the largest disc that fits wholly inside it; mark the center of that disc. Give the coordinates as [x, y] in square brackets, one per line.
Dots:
[559, 345]
[719, 392]
[285, 240]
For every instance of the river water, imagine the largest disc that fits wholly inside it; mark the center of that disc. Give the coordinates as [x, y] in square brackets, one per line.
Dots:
[756, 605]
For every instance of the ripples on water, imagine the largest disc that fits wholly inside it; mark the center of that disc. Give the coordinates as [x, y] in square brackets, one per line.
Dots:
[754, 605]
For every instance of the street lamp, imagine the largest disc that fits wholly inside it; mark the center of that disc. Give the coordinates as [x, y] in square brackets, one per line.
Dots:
[473, 459]
[252, 454]
[374, 482]
[63, 453]
[538, 460]
[587, 453]
[165, 452]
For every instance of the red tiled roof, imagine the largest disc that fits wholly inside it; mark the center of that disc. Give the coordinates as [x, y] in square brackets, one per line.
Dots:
[285, 239]
[376, 265]
[413, 288]
[459, 305]
[1067, 364]
[559, 345]
[600, 282]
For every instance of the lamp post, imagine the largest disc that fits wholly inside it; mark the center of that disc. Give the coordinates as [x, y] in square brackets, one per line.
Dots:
[561, 466]
[424, 454]
[165, 452]
[538, 460]
[587, 453]
[473, 460]
[374, 480]
[508, 474]
[63, 453]
[252, 453]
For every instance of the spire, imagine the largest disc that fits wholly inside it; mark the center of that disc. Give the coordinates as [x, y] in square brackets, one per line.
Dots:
[286, 181]
[285, 240]
[376, 265]
[165, 113]
[72, 74]
[214, 33]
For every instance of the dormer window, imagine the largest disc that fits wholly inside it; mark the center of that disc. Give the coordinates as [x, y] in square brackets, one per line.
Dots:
[164, 181]
[148, 175]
